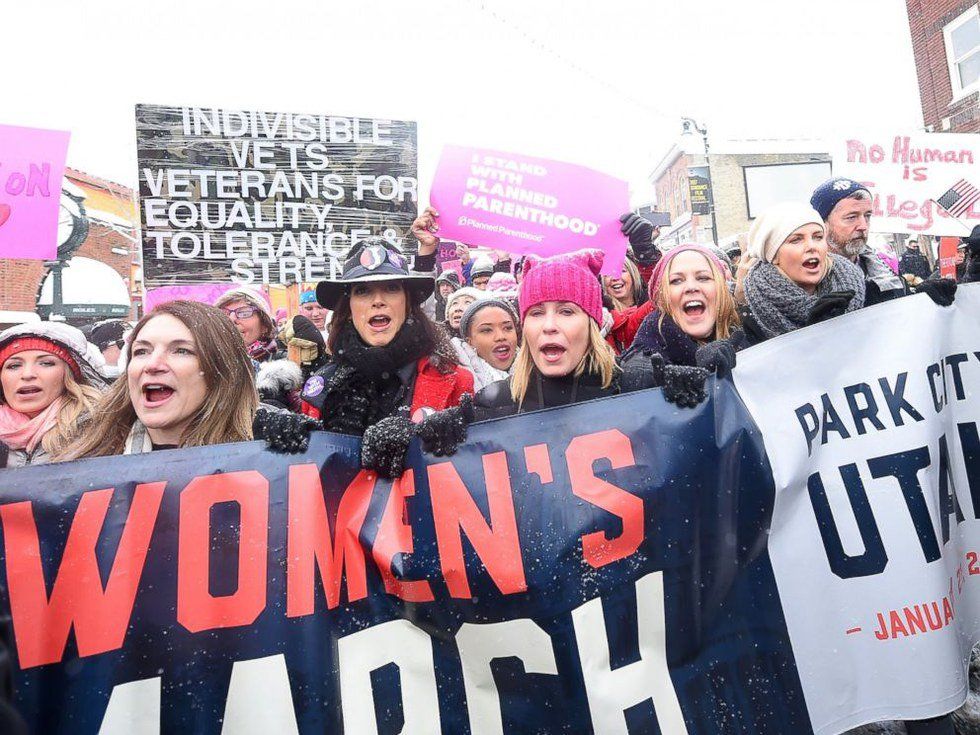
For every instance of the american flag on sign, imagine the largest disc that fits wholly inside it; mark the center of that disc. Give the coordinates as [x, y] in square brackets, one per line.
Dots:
[958, 200]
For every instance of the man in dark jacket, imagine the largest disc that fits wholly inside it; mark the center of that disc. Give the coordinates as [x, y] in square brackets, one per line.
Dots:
[913, 262]
[971, 271]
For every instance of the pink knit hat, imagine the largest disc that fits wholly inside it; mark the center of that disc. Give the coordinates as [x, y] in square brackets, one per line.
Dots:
[662, 267]
[573, 277]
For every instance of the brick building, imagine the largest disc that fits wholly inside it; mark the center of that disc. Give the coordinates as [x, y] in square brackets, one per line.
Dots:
[110, 214]
[946, 45]
[746, 177]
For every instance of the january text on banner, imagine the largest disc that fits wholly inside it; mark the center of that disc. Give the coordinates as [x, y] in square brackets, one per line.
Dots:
[267, 197]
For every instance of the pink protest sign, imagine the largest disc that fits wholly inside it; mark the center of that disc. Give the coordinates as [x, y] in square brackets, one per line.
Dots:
[32, 162]
[521, 204]
[206, 293]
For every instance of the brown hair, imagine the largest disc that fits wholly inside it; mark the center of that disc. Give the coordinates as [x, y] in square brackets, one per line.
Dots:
[727, 318]
[226, 414]
[442, 353]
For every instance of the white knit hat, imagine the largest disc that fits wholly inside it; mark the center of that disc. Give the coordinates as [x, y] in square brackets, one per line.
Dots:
[475, 293]
[772, 227]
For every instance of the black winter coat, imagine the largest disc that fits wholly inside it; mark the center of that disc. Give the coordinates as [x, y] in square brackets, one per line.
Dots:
[914, 263]
[663, 337]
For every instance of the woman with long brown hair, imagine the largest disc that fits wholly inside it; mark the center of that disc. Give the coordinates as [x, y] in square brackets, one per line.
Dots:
[188, 383]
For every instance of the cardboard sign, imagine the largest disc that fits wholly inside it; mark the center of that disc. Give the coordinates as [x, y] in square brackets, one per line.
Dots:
[905, 172]
[32, 163]
[512, 202]
[947, 256]
[256, 197]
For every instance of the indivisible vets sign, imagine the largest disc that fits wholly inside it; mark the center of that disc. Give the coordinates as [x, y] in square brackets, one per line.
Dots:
[259, 197]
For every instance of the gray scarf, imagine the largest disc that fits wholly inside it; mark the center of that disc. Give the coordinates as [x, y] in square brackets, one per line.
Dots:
[780, 306]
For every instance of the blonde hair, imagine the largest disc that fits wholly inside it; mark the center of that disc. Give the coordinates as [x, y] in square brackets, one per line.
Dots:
[727, 318]
[228, 409]
[74, 414]
[599, 359]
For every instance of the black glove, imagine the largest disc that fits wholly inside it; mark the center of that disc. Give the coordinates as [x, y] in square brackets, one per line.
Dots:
[283, 431]
[641, 235]
[716, 356]
[385, 444]
[830, 305]
[942, 291]
[443, 431]
[683, 386]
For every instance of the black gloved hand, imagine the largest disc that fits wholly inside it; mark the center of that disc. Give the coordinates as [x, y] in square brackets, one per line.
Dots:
[715, 356]
[942, 291]
[283, 431]
[683, 386]
[385, 444]
[830, 305]
[641, 234]
[443, 431]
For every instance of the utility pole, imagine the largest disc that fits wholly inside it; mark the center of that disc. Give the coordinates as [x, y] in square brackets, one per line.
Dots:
[688, 124]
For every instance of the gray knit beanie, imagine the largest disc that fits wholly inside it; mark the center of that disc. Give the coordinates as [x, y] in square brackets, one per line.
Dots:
[472, 309]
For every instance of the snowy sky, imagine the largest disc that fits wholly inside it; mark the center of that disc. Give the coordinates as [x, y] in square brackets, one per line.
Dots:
[598, 83]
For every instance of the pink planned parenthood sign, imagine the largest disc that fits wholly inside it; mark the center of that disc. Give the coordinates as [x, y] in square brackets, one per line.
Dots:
[521, 204]
[32, 163]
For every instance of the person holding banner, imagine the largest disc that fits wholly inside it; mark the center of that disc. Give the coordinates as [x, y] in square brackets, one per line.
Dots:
[188, 383]
[387, 355]
[48, 389]
[696, 319]
[794, 281]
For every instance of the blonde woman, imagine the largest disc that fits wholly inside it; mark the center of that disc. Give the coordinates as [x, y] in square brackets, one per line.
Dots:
[693, 309]
[188, 383]
[47, 390]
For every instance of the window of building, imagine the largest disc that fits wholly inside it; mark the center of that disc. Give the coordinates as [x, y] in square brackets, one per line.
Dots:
[963, 52]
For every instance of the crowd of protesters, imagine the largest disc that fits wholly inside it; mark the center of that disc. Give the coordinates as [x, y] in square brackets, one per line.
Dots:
[392, 349]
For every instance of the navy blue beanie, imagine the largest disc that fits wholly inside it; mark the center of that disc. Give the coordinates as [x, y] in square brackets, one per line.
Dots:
[826, 196]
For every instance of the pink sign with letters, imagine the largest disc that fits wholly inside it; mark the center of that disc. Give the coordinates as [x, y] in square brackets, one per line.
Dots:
[521, 204]
[206, 293]
[32, 163]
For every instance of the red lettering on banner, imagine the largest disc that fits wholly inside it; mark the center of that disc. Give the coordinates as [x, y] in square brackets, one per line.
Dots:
[309, 543]
[197, 608]
[582, 453]
[538, 462]
[454, 511]
[100, 615]
[395, 537]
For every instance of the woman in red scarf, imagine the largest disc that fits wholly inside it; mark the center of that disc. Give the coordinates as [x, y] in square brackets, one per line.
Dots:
[47, 388]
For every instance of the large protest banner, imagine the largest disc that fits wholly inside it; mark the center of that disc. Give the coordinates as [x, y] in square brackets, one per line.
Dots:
[875, 534]
[524, 204]
[906, 173]
[649, 573]
[267, 197]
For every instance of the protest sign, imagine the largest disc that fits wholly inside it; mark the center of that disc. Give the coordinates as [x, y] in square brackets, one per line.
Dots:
[610, 567]
[32, 164]
[947, 256]
[206, 293]
[521, 204]
[875, 532]
[905, 173]
[260, 197]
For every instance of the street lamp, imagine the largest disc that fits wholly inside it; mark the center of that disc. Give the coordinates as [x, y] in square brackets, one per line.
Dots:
[690, 125]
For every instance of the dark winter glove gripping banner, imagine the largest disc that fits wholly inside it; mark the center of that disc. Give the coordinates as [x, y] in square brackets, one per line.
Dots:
[603, 568]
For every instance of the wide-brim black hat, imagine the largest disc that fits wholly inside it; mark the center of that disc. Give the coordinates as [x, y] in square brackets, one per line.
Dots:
[974, 237]
[374, 259]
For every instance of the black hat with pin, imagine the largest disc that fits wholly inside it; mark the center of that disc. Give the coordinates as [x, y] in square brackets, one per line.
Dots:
[374, 259]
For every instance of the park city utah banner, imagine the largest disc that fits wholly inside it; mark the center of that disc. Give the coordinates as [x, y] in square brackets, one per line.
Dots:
[267, 197]
[611, 567]
[906, 173]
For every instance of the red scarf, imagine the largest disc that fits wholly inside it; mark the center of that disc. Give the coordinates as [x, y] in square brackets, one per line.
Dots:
[18, 431]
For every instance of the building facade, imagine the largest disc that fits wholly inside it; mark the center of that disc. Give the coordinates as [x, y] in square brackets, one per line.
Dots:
[946, 45]
[746, 177]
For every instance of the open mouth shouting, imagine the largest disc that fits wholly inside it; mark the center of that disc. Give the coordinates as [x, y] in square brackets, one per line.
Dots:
[502, 353]
[379, 322]
[694, 308]
[811, 265]
[29, 391]
[617, 287]
[552, 352]
[156, 394]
